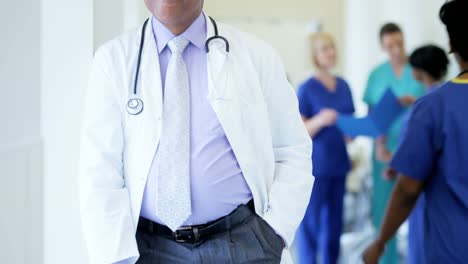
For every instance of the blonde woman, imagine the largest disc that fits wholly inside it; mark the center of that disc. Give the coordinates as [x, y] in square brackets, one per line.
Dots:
[321, 99]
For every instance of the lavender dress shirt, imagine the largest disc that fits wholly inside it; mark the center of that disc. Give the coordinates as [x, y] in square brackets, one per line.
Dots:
[217, 183]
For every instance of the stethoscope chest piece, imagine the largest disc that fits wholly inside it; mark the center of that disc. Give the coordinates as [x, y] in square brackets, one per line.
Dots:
[135, 106]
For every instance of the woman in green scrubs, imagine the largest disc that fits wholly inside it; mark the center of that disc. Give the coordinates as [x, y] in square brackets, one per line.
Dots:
[396, 74]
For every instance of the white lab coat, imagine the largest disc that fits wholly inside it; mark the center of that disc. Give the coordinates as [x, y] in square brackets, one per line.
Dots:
[255, 104]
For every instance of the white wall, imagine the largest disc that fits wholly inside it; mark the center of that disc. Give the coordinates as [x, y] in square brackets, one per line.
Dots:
[288, 36]
[67, 48]
[20, 142]
[108, 16]
[327, 13]
[112, 17]
[363, 19]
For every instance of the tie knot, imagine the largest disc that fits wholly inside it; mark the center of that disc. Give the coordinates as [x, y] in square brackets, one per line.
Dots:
[178, 44]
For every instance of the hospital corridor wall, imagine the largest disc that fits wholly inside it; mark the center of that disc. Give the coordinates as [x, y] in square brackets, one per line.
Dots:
[46, 52]
[21, 218]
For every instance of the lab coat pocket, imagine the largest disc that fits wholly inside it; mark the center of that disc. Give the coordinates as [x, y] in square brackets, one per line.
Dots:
[107, 203]
[247, 95]
[108, 225]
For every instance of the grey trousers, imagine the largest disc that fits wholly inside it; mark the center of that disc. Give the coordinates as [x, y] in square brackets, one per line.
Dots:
[252, 241]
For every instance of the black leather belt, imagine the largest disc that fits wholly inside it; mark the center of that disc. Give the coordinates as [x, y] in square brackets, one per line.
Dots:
[198, 233]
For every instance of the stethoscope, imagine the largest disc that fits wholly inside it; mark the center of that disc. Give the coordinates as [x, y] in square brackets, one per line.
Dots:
[135, 105]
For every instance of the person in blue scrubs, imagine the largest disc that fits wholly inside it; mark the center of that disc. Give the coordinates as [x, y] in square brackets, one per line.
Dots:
[321, 99]
[394, 74]
[429, 66]
[433, 159]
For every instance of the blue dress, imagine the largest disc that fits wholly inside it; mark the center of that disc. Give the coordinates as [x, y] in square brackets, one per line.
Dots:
[434, 150]
[320, 231]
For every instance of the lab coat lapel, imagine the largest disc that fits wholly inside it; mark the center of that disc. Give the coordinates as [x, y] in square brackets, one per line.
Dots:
[223, 90]
[151, 93]
[224, 96]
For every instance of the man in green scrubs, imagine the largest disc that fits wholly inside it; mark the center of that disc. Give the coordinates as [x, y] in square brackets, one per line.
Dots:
[395, 73]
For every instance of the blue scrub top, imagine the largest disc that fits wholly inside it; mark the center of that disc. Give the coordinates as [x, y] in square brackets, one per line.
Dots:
[329, 155]
[435, 151]
[416, 236]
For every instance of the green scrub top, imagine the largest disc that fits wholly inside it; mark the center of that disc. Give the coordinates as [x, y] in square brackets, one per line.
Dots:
[380, 80]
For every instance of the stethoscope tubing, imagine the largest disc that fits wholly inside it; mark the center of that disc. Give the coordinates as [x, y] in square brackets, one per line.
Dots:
[135, 105]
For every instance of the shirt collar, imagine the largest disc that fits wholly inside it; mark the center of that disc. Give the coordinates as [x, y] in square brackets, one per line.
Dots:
[196, 33]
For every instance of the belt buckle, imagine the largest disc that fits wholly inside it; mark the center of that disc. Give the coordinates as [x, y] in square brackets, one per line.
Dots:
[177, 235]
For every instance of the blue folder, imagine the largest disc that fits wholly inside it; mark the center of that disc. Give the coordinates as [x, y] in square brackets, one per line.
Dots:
[377, 123]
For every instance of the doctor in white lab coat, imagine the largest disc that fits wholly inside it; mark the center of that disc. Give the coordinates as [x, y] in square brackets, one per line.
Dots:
[132, 164]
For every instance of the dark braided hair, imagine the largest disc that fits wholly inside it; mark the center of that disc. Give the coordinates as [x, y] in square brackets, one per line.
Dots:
[454, 14]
